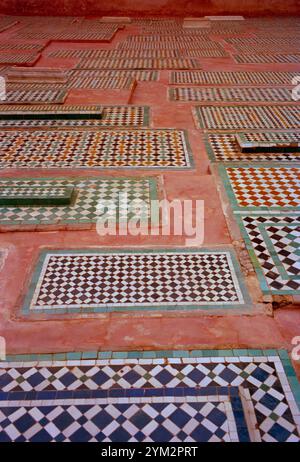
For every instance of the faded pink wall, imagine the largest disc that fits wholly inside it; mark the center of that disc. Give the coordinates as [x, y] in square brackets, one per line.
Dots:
[150, 7]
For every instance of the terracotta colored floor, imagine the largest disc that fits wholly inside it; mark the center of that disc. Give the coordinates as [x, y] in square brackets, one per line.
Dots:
[263, 328]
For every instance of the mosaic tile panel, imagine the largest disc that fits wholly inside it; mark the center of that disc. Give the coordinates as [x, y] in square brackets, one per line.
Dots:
[138, 63]
[273, 243]
[125, 116]
[224, 147]
[35, 96]
[83, 80]
[247, 117]
[262, 188]
[232, 78]
[48, 116]
[135, 280]
[108, 79]
[87, 194]
[20, 57]
[10, 45]
[195, 53]
[94, 149]
[229, 94]
[44, 111]
[166, 399]
[113, 54]
[267, 59]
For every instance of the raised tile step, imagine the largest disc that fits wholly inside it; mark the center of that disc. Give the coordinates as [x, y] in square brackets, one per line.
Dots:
[26, 196]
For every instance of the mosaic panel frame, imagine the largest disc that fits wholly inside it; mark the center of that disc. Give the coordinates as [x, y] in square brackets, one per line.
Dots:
[266, 381]
[241, 303]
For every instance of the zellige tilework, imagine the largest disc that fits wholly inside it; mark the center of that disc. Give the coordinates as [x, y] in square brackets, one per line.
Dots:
[225, 148]
[229, 94]
[273, 243]
[87, 194]
[35, 96]
[167, 399]
[247, 117]
[232, 78]
[135, 280]
[94, 149]
[261, 188]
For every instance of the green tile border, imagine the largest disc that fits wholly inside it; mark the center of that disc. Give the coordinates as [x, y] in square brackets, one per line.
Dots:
[254, 259]
[233, 262]
[222, 168]
[161, 354]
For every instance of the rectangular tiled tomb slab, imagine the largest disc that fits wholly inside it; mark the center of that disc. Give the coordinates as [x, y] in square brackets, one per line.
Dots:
[49, 116]
[267, 59]
[273, 243]
[94, 149]
[262, 188]
[35, 96]
[229, 94]
[138, 63]
[166, 399]
[232, 78]
[46, 112]
[268, 146]
[87, 194]
[102, 281]
[247, 117]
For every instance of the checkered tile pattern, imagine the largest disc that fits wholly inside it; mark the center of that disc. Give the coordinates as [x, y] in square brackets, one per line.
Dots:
[232, 78]
[224, 147]
[117, 406]
[94, 149]
[89, 192]
[10, 45]
[276, 244]
[230, 94]
[114, 54]
[90, 280]
[247, 117]
[265, 186]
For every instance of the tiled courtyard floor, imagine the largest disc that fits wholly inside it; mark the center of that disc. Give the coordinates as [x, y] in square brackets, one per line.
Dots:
[146, 337]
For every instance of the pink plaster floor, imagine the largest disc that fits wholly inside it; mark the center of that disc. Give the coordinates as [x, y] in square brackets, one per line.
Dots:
[134, 331]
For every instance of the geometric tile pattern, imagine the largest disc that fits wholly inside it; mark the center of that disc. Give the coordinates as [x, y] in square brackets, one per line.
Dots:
[224, 147]
[229, 94]
[111, 54]
[89, 192]
[137, 63]
[83, 281]
[10, 45]
[107, 79]
[247, 117]
[111, 116]
[18, 57]
[94, 149]
[193, 399]
[232, 78]
[263, 188]
[275, 241]
[264, 59]
[35, 96]
[31, 195]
